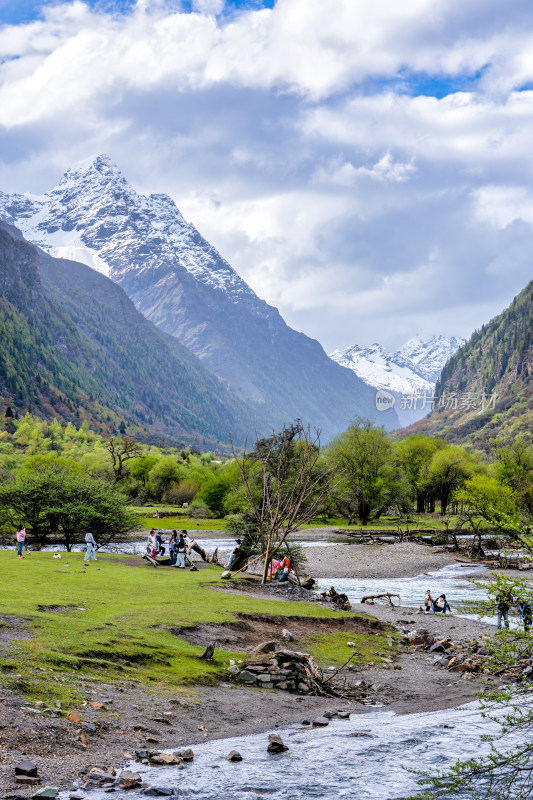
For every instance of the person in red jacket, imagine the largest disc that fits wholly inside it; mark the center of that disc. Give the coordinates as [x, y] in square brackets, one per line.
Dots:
[284, 568]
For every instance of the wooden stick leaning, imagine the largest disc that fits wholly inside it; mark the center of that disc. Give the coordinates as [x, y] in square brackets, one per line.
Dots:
[248, 564]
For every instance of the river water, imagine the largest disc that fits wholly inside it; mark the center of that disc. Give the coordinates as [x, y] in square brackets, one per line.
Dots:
[452, 580]
[363, 758]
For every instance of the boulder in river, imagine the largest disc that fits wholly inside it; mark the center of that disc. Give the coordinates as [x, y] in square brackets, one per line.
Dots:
[275, 744]
[320, 722]
[234, 755]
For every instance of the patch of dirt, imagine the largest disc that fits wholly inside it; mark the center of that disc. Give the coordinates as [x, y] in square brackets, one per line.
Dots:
[58, 609]
[252, 629]
[12, 628]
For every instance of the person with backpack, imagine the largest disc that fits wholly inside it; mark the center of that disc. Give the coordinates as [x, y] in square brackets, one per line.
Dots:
[524, 609]
[181, 550]
[91, 547]
[503, 604]
[440, 605]
[21, 538]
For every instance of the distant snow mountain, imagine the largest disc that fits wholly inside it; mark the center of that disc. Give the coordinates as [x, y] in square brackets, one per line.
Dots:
[409, 373]
[181, 283]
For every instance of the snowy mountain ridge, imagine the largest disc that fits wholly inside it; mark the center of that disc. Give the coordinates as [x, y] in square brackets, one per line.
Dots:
[96, 217]
[409, 372]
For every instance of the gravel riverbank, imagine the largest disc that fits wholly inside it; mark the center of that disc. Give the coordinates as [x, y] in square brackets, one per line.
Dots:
[399, 560]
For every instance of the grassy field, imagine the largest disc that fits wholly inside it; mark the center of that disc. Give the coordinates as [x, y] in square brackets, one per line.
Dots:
[113, 621]
[419, 521]
[179, 522]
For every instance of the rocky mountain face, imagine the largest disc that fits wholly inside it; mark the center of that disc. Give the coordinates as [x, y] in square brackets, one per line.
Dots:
[485, 390]
[184, 286]
[74, 346]
[409, 374]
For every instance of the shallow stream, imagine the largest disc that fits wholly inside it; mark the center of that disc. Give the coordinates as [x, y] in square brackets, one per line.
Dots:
[451, 580]
[363, 758]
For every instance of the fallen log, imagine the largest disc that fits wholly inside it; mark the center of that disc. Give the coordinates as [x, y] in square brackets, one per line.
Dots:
[150, 560]
[369, 598]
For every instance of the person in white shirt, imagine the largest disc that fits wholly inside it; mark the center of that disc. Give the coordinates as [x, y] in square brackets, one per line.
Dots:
[91, 546]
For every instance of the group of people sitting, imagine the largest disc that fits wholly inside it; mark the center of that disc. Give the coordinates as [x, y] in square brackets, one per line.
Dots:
[179, 547]
[438, 606]
[506, 601]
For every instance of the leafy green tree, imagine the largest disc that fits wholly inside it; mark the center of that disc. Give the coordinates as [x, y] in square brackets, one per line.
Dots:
[163, 474]
[448, 470]
[486, 497]
[415, 454]
[213, 494]
[362, 458]
[60, 504]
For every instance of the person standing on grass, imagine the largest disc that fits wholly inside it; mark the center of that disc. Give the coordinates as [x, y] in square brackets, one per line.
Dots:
[21, 538]
[180, 554]
[151, 545]
[173, 548]
[91, 546]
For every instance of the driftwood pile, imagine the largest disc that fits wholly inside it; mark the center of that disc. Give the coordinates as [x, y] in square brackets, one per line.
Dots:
[339, 599]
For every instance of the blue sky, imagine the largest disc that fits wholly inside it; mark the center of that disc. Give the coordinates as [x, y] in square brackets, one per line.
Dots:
[13, 12]
[365, 165]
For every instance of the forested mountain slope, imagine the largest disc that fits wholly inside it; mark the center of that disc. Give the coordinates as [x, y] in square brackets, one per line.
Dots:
[72, 345]
[485, 391]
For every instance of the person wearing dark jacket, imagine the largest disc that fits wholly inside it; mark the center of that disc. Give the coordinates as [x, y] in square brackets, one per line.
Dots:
[503, 604]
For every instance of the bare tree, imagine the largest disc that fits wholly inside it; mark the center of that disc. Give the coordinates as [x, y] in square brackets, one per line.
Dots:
[285, 483]
[121, 450]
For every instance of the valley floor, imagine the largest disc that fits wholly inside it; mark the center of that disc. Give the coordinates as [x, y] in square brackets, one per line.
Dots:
[132, 711]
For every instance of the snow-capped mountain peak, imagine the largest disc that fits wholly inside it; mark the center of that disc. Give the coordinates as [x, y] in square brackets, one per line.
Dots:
[430, 355]
[95, 216]
[409, 373]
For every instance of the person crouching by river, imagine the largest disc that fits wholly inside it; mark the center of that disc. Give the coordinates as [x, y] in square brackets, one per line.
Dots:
[91, 546]
[428, 602]
[234, 553]
[440, 605]
[21, 538]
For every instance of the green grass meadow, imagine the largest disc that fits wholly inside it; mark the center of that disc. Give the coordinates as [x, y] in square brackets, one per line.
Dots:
[116, 624]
